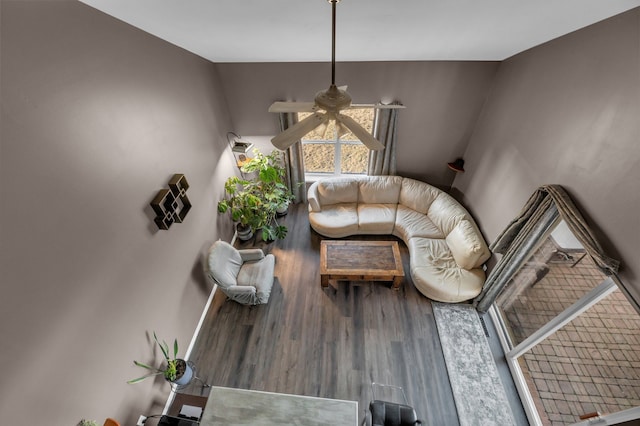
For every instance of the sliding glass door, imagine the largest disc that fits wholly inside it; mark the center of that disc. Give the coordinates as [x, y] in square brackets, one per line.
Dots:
[571, 337]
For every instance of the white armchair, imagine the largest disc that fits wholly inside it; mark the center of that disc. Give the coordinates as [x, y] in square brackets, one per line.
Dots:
[245, 276]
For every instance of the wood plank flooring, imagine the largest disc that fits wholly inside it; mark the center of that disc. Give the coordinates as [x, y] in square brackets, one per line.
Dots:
[329, 342]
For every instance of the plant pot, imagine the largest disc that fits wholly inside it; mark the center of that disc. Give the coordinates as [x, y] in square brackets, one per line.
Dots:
[282, 209]
[185, 373]
[244, 233]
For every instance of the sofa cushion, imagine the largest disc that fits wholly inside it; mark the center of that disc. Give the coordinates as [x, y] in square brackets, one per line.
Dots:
[258, 274]
[379, 190]
[445, 212]
[335, 221]
[410, 223]
[435, 251]
[334, 191]
[417, 195]
[436, 275]
[449, 285]
[376, 218]
[468, 248]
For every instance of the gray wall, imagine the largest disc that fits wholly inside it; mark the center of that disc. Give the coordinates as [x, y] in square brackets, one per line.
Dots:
[443, 100]
[96, 117]
[568, 113]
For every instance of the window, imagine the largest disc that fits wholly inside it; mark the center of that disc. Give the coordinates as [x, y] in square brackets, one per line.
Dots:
[330, 154]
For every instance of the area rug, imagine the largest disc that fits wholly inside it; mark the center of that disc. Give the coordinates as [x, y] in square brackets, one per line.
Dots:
[477, 390]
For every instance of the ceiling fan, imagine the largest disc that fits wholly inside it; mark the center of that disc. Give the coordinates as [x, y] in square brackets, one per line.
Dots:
[331, 101]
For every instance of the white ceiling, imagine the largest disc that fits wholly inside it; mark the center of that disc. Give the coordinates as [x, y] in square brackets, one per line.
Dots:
[367, 30]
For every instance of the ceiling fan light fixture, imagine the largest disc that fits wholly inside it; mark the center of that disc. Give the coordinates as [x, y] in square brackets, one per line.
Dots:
[333, 99]
[342, 129]
[322, 129]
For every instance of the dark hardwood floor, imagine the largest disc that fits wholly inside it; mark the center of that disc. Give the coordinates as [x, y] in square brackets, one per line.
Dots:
[329, 343]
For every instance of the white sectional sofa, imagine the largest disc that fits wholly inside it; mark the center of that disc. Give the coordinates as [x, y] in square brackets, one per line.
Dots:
[446, 248]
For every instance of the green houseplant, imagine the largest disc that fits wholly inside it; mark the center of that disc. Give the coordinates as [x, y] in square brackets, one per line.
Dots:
[244, 203]
[253, 202]
[176, 370]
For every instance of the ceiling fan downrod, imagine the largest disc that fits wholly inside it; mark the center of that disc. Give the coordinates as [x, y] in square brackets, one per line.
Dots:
[333, 40]
[334, 99]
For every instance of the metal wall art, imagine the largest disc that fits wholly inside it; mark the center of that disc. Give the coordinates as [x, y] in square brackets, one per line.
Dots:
[171, 205]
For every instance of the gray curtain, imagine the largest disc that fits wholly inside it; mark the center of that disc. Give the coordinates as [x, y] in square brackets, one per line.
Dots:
[519, 239]
[294, 161]
[383, 162]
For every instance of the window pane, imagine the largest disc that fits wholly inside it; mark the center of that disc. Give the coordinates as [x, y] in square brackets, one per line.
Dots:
[324, 152]
[591, 364]
[354, 158]
[319, 157]
[364, 117]
[555, 276]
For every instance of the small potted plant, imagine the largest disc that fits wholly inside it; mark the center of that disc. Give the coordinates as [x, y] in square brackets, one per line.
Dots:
[85, 422]
[175, 371]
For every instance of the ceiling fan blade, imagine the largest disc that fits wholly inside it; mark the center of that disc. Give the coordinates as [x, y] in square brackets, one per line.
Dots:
[343, 88]
[360, 132]
[377, 106]
[292, 107]
[294, 133]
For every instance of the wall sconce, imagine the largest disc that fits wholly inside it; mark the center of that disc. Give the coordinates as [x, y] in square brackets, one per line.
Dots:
[239, 148]
[457, 166]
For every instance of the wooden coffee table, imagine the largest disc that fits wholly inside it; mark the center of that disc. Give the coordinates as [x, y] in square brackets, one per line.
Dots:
[360, 261]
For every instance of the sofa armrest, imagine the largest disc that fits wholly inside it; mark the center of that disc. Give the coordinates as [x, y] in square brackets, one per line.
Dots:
[467, 245]
[314, 198]
[248, 255]
[240, 289]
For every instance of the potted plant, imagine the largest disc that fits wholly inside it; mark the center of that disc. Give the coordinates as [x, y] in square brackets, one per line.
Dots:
[254, 202]
[176, 370]
[85, 422]
[244, 203]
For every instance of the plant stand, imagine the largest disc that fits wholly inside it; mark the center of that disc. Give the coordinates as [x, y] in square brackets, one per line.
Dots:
[176, 387]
